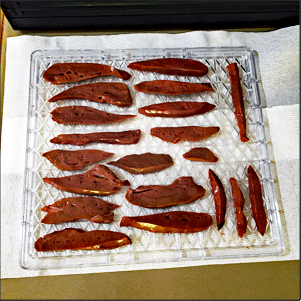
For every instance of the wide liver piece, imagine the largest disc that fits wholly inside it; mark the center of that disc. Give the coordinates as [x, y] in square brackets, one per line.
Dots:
[176, 109]
[143, 163]
[256, 199]
[86, 115]
[169, 222]
[126, 137]
[219, 198]
[78, 239]
[237, 99]
[201, 154]
[74, 72]
[98, 181]
[182, 191]
[239, 202]
[73, 209]
[169, 87]
[75, 160]
[171, 66]
[189, 133]
[116, 94]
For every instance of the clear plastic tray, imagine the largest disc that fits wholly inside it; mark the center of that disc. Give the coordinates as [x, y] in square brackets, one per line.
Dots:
[234, 158]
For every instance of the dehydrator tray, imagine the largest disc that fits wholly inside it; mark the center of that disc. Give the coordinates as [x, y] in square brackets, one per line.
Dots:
[234, 158]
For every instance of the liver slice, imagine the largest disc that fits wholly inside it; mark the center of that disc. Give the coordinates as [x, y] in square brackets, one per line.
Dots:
[182, 191]
[169, 222]
[75, 160]
[74, 72]
[116, 94]
[143, 163]
[171, 66]
[78, 239]
[201, 154]
[75, 208]
[189, 133]
[85, 115]
[98, 181]
[169, 87]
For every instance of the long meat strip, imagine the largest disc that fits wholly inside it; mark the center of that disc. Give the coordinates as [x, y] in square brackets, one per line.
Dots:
[171, 66]
[219, 198]
[169, 87]
[169, 222]
[239, 202]
[188, 133]
[176, 109]
[143, 163]
[116, 94]
[98, 181]
[181, 191]
[238, 103]
[256, 199]
[85, 115]
[76, 159]
[126, 137]
[74, 72]
[74, 208]
[78, 239]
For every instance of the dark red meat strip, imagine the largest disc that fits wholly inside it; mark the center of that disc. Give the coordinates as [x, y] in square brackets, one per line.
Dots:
[201, 154]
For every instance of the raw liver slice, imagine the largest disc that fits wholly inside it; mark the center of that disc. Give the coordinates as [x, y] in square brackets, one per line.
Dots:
[171, 66]
[143, 163]
[239, 202]
[73, 209]
[219, 198]
[169, 222]
[98, 181]
[169, 87]
[116, 94]
[127, 137]
[75, 160]
[176, 109]
[189, 133]
[256, 199]
[85, 115]
[238, 102]
[182, 191]
[200, 154]
[74, 72]
[78, 239]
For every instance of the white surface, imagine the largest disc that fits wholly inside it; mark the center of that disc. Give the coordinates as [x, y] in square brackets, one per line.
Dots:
[278, 58]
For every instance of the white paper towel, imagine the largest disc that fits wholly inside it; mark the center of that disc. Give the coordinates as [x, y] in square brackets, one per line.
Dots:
[278, 65]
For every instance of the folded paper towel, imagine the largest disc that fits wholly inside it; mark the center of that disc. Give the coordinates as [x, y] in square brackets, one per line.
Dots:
[278, 61]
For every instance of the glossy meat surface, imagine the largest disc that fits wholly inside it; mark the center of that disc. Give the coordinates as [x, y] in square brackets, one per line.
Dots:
[201, 154]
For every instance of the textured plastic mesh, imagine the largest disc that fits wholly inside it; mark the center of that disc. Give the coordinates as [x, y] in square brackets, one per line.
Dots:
[234, 158]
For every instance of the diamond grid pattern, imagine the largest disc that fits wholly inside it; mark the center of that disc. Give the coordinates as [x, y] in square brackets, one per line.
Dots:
[234, 156]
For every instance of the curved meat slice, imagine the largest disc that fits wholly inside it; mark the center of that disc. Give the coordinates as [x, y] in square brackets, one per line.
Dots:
[201, 154]
[171, 66]
[239, 202]
[238, 102]
[75, 160]
[255, 192]
[85, 115]
[99, 181]
[74, 72]
[189, 133]
[170, 87]
[169, 222]
[182, 191]
[116, 94]
[176, 109]
[143, 163]
[219, 198]
[127, 137]
[73, 209]
[78, 239]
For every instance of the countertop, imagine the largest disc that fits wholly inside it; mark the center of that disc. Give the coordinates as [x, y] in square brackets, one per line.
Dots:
[269, 280]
